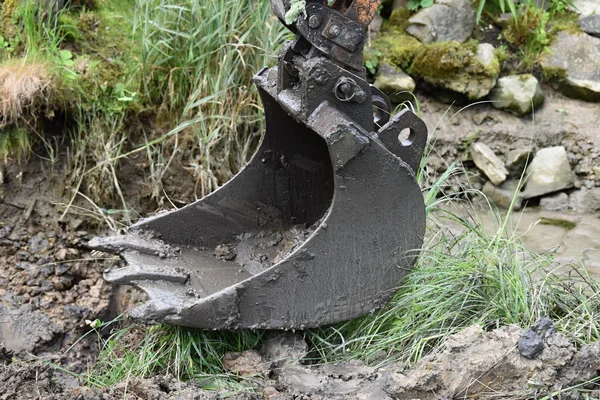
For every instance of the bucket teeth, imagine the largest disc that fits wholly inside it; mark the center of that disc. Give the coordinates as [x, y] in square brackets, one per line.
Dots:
[152, 311]
[131, 273]
[132, 242]
[166, 300]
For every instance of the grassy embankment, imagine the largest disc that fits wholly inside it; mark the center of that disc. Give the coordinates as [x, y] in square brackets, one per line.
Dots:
[170, 82]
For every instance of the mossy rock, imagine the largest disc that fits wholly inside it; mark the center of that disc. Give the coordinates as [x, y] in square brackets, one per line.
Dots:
[397, 47]
[465, 68]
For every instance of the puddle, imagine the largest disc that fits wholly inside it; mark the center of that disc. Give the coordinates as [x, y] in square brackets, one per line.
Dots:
[571, 237]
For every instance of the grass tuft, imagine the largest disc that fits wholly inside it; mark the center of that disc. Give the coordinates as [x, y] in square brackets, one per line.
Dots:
[24, 85]
[187, 354]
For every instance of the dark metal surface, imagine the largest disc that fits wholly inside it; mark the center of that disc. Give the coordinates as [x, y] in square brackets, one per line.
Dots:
[321, 225]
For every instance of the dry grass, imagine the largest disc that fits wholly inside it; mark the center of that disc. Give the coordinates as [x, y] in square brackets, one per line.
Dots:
[24, 87]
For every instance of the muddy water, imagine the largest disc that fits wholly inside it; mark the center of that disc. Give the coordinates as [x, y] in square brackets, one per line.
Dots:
[570, 237]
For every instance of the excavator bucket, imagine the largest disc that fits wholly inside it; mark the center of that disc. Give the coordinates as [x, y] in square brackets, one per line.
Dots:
[320, 226]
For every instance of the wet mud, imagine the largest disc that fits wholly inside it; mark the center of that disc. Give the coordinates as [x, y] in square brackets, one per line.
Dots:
[50, 284]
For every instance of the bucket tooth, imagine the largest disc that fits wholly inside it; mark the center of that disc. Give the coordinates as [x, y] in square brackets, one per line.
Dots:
[132, 242]
[132, 273]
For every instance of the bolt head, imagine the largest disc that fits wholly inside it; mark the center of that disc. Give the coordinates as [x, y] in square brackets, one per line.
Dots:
[345, 88]
[314, 21]
[334, 31]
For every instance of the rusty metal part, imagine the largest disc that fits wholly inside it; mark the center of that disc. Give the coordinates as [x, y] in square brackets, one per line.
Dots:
[321, 225]
[361, 11]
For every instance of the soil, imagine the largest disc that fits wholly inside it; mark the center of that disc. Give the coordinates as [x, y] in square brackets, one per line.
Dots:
[472, 364]
[52, 289]
[50, 284]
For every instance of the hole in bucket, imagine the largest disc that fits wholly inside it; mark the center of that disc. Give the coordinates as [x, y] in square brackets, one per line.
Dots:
[405, 137]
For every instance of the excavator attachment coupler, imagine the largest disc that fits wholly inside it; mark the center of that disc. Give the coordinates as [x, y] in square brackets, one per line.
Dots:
[320, 226]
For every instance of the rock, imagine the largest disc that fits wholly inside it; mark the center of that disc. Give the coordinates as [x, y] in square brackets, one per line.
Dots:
[285, 348]
[225, 252]
[472, 75]
[503, 195]
[61, 254]
[591, 25]
[574, 62]
[396, 84]
[518, 94]
[531, 342]
[39, 243]
[485, 54]
[485, 159]
[585, 7]
[576, 200]
[445, 21]
[62, 283]
[591, 200]
[548, 172]
[375, 26]
[480, 117]
[516, 161]
[558, 202]
[247, 363]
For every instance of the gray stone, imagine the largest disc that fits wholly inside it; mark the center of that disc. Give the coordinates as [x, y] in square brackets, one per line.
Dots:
[485, 54]
[480, 117]
[557, 202]
[39, 243]
[578, 57]
[485, 159]
[591, 25]
[375, 26]
[504, 195]
[396, 84]
[518, 94]
[530, 344]
[548, 172]
[576, 200]
[516, 161]
[586, 7]
[445, 21]
[591, 200]
[285, 348]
